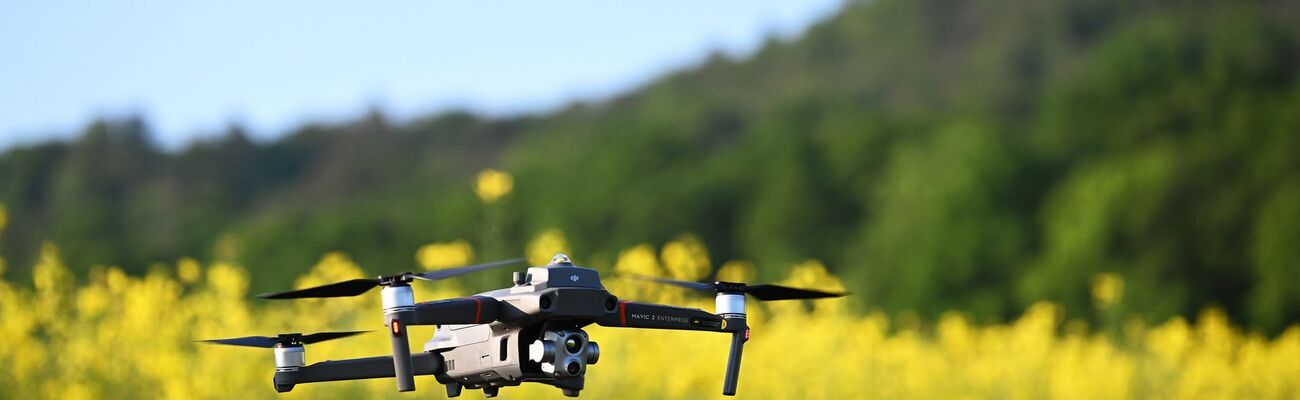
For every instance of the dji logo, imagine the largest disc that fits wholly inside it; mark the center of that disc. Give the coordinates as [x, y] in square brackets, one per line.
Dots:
[573, 278]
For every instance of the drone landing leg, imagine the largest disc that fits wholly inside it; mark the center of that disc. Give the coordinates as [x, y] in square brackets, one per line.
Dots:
[402, 358]
[733, 364]
[453, 389]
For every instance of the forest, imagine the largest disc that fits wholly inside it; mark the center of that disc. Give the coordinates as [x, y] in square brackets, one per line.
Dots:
[977, 156]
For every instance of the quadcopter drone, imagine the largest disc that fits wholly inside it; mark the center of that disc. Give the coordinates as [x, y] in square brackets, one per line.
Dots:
[530, 332]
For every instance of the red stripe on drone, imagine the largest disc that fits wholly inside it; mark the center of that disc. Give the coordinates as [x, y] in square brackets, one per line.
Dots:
[622, 312]
[478, 309]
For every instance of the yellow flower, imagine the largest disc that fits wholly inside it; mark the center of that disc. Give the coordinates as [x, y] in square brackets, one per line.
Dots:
[49, 274]
[1107, 289]
[686, 258]
[638, 260]
[119, 336]
[92, 300]
[116, 280]
[493, 185]
[188, 270]
[335, 266]
[228, 281]
[545, 245]
[736, 271]
[444, 255]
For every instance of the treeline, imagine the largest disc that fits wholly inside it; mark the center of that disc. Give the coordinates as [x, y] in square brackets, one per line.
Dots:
[978, 156]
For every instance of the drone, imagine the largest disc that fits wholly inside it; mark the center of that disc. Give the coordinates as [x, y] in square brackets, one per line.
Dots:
[529, 332]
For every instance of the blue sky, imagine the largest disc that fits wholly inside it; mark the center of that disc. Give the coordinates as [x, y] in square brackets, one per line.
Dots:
[193, 68]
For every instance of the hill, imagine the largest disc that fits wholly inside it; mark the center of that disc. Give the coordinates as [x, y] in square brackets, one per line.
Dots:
[978, 155]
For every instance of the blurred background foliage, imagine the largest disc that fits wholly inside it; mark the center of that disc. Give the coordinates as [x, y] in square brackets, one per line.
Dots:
[977, 156]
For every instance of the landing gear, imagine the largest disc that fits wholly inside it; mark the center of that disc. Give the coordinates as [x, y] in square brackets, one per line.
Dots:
[490, 391]
[453, 389]
[570, 392]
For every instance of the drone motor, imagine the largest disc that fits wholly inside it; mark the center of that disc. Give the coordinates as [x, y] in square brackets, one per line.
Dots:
[290, 357]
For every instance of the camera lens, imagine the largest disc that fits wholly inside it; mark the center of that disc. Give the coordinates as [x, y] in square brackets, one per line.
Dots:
[573, 368]
[572, 344]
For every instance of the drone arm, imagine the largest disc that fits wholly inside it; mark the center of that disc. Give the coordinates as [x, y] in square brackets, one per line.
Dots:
[353, 369]
[658, 316]
[466, 310]
[632, 314]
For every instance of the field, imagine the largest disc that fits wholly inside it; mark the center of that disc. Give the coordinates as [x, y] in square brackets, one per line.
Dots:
[110, 335]
[1028, 199]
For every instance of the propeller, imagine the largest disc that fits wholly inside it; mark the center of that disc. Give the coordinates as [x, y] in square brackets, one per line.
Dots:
[359, 286]
[766, 292]
[284, 339]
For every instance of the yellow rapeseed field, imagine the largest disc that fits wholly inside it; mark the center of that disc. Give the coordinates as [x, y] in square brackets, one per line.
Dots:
[110, 335]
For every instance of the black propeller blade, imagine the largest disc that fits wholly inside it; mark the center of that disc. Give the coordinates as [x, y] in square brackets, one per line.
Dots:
[766, 292]
[282, 339]
[778, 292]
[356, 287]
[339, 289]
[323, 336]
[674, 282]
[451, 272]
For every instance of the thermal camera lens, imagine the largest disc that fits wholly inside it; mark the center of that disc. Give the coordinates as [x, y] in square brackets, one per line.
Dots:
[572, 345]
[573, 368]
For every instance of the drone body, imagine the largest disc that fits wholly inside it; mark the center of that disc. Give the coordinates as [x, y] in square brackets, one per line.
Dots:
[530, 332]
[537, 334]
